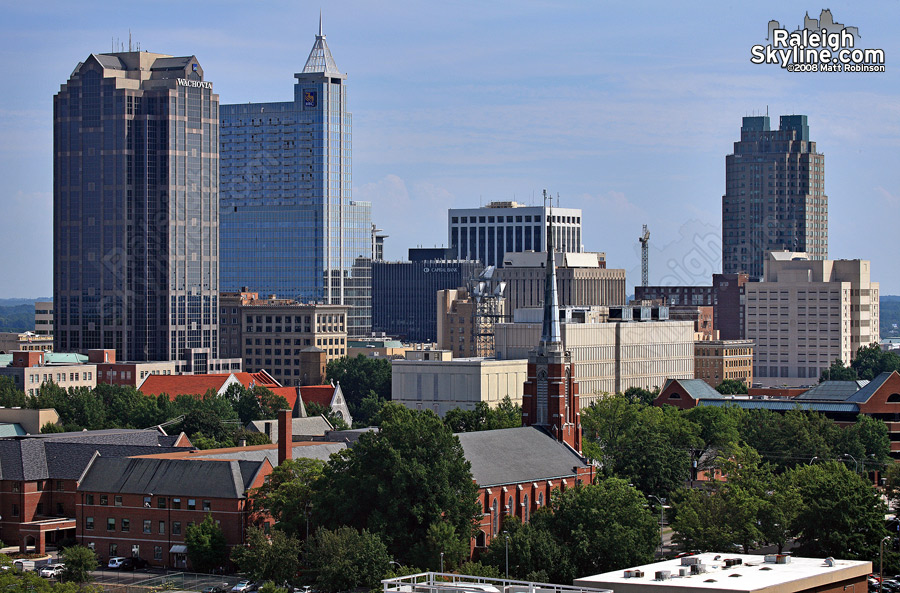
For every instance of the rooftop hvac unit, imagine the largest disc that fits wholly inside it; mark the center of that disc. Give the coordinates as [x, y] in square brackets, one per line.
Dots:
[663, 575]
[729, 562]
[634, 573]
[690, 560]
[698, 568]
[682, 571]
[778, 559]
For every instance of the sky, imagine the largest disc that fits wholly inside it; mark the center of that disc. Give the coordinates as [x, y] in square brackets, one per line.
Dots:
[625, 110]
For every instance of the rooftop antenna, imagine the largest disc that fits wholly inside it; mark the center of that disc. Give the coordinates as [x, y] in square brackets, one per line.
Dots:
[129, 40]
[320, 24]
[645, 256]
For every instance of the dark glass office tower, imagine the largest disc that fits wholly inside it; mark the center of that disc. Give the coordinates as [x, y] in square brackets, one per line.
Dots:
[289, 224]
[774, 195]
[135, 209]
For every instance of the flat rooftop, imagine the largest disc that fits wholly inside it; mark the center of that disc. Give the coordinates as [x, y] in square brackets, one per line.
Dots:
[753, 574]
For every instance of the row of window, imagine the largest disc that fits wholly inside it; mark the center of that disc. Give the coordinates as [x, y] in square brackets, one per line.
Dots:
[160, 502]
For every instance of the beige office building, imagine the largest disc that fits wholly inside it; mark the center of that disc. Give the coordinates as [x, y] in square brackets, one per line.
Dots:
[281, 336]
[582, 279]
[612, 356]
[717, 360]
[806, 313]
[29, 370]
[15, 341]
[43, 318]
[442, 385]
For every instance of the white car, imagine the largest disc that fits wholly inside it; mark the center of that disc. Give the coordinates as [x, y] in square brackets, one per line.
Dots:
[116, 562]
[52, 570]
[241, 587]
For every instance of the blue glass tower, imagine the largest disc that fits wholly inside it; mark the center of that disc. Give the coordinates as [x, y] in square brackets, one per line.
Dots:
[288, 223]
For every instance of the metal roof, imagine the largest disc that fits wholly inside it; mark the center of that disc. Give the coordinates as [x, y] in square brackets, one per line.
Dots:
[833, 390]
[781, 405]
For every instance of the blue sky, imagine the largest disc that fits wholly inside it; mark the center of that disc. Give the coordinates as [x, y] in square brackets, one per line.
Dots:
[625, 110]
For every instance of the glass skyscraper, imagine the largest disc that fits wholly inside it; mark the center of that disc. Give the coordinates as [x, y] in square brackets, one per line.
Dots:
[289, 224]
[135, 209]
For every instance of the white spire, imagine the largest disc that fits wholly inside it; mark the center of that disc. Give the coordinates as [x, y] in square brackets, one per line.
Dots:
[320, 60]
[550, 332]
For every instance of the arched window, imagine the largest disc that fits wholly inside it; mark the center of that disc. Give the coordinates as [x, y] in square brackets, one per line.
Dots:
[526, 511]
[540, 499]
[510, 509]
[675, 395]
[568, 411]
[495, 518]
[894, 398]
[541, 404]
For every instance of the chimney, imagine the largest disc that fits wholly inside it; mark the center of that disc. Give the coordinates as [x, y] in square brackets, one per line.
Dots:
[285, 436]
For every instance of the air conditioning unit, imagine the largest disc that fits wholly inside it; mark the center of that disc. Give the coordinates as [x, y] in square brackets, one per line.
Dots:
[663, 575]
[683, 571]
[691, 560]
[698, 568]
[634, 574]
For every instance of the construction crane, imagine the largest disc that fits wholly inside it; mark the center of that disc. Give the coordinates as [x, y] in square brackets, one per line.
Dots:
[645, 256]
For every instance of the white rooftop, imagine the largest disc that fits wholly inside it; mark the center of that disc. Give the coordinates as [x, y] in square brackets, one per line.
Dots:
[753, 574]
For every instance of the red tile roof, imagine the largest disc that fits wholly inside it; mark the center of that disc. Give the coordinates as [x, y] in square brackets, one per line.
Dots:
[320, 394]
[288, 393]
[175, 385]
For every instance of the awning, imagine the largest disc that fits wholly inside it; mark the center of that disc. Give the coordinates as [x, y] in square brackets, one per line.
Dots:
[178, 549]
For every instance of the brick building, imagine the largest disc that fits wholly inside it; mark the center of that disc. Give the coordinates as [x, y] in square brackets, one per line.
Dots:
[718, 360]
[39, 477]
[142, 507]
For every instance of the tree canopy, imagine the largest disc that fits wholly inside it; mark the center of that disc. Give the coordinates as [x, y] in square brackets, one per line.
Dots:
[206, 545]
[275, 557]
[286, 495]
[345, 559]
[398, 482]
[358, 377]
[483, 417]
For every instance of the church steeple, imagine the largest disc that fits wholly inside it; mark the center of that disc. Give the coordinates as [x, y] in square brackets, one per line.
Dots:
[550, 395]
[550, 334]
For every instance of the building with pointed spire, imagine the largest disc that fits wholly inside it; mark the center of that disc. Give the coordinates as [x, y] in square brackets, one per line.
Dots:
[289, 225]
[550, 398]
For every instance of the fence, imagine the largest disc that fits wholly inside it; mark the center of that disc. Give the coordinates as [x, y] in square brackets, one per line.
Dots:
[174, 581]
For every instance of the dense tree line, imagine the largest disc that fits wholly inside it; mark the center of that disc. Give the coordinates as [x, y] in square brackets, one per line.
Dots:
[209, 420]
[869, 362]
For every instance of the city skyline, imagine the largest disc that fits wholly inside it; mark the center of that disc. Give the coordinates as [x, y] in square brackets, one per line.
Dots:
[456, 106]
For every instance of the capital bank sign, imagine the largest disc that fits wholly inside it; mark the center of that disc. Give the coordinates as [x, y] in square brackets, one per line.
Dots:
[200, 84]
[440, 270]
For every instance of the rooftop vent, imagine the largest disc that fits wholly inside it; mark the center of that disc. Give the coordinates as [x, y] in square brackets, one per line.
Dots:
[829, 561]
[663, 575]
[634, 574]
[689, 560]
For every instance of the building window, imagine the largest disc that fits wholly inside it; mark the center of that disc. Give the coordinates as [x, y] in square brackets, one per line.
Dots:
[206, 505]
[191, 504]
[113, 550]
[176, 503]
[89, 499]
[162, 527]
[118, 501]
[39, 485]
[59, 484]
[15, 487]
[176, 527]
[161, 502]
[135, 551]
[89, 523]
[111, 524]
[147, 527]
[157, 553]
[146, 502]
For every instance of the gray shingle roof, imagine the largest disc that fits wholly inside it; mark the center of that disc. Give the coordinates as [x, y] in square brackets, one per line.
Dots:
[833, 390]
[697, 388]
[309, 426]
[321, 451]
[185, 477]
[514, 455]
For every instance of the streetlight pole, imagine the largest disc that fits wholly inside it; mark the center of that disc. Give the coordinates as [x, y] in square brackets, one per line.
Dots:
[854, 461]
[813, 459]
[881, 563]
[442, 562]
[662, 503]
[506, 533]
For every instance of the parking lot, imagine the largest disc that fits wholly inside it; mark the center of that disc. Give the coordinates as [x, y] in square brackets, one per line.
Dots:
[155, 579]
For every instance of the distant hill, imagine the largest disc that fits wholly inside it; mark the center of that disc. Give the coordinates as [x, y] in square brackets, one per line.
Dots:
[17, 315]
[890, 316]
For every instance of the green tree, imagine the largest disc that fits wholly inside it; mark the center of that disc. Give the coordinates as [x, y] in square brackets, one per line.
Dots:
[778, 513]
[838, 371]
[533, 550]
[368, 409]
[840, 514]
[731, 387]
[273, 558]
[477, 569]
[700, 520]
[640, 395]
[645, 445]
[51, 427]
[483, 417]
[206, 545]
[358, 376]
[287, 494]
[892, 485]
[399, 481]
[719, 432]
[10, 397]
[870, 361]
[79, 561]
[254, 404]
[345, 559]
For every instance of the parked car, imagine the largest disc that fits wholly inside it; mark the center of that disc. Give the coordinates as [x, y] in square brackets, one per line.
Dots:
[215, 589]
[138, 562]
[52, 571]
[116, 562]
[241, 587]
